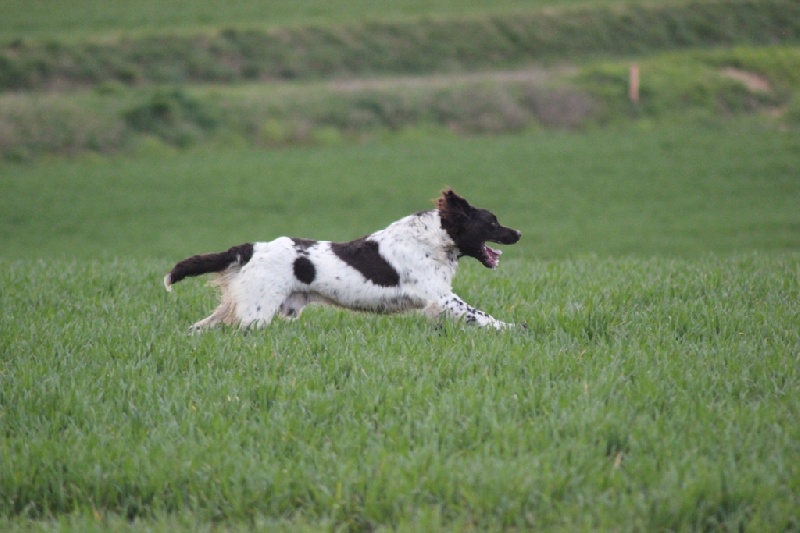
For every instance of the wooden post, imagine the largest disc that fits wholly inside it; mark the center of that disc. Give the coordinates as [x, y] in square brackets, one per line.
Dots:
[633, 84]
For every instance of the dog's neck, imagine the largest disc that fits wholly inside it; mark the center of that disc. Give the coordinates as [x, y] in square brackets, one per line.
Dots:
[425, 228]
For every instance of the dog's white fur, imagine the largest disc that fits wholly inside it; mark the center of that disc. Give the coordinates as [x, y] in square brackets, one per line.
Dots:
[421, 252]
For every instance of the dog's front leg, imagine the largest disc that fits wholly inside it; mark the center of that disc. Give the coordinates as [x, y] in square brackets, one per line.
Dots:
[457, 308]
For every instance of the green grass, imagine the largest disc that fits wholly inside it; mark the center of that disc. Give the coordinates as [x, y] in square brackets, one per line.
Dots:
[675, 86]
[49, 19]
[655, 387]
[647, 394]
[653, 188]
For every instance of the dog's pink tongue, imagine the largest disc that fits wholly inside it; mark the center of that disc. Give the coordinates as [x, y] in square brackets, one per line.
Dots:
[493, 255]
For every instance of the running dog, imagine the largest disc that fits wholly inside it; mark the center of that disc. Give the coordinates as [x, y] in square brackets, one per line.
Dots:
[408, 265]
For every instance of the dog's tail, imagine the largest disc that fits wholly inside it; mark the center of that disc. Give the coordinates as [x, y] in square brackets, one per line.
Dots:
[207, 263]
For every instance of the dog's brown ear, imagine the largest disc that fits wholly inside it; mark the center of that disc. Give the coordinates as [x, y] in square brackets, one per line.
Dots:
[452, 202]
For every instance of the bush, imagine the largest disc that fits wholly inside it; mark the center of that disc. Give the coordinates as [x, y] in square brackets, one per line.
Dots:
[564, 107]
[174, 117]
[29, 129]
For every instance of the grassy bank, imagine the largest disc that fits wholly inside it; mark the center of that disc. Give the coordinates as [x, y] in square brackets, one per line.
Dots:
[81, 19]
[691, 84]
[473, 74]
[646, 394]
[381, 47]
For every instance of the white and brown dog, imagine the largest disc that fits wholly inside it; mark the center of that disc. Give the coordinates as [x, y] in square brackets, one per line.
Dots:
[408, 265]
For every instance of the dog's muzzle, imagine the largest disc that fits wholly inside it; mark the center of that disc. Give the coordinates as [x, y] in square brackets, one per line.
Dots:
[510, 236]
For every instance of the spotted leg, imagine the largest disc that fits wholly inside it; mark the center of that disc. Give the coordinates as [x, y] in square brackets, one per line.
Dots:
[457, 308]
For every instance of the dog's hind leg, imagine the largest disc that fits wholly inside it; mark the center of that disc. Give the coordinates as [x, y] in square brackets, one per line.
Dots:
[222, 314]
[257, 303]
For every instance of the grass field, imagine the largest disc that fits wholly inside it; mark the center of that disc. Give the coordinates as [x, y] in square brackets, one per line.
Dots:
[647, 394]
[666, 189]
[655, 387]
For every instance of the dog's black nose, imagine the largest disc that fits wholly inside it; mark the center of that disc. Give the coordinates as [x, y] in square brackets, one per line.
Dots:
[510, 236]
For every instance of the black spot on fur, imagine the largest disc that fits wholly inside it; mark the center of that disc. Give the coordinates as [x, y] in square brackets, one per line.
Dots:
[304, 270]
[215, 262]
[364, 256]
[302, 245]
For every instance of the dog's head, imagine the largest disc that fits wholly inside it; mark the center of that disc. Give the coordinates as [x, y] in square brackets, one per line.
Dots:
[471, 227]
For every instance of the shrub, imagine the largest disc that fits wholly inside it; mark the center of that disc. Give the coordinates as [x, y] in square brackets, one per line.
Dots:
[564, 107]
[174, 117]
[55, 127]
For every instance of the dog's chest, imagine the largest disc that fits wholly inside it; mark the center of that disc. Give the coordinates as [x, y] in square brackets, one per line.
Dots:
[418, 250]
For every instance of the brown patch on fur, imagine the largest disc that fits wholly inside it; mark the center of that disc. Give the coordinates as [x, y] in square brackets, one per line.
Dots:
[364, 256]
[302, 245]
[451, 205]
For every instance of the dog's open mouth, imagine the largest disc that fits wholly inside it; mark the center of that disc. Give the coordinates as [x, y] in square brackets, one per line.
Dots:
[491, 256]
